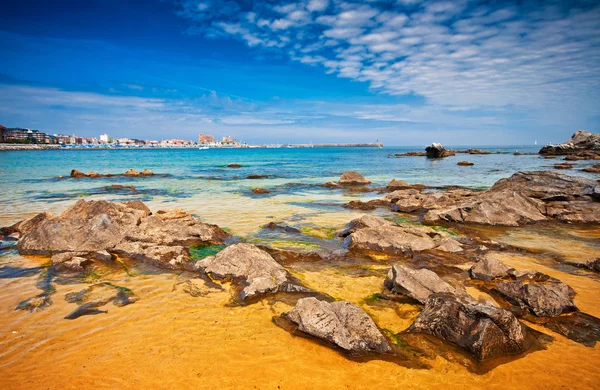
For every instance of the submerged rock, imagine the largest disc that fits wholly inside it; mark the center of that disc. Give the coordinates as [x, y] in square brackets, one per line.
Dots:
[485, 331]
[234, 165]
[563, 166]
[259, 190]
[340, 323]
[593, 169]
[331, 184]
[255, 176]
[353, 178]
[251, 268]
[465, 163]
[415, 284]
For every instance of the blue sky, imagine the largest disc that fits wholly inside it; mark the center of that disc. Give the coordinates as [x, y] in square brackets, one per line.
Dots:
[404, 72]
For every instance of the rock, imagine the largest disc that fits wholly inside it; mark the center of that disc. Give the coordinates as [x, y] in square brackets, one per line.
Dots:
[581, 141]
[255, 176]
[412, 154]
[415, 284]
[281, 227]
[594, 264]
[448, 244]
[27, 225]
[483, 330]
[488, 269]
[465, 163]
[340, 323]
[397, 185]
[593, 169]
[349, 178]
[475, 151]
[331, 184]
[146, 172]
[563, 166]
[176, 227]
[93, 174]
[525, 197]
[366, 221]
[393, 240]
[234, 165]
[85, 227]
[436, 150]
[551, 298]
[365, 206]
[251, 268]
[75, 264]
[130, 189]
[131, 172]
[198, 287]
[259, 190]
[76, 174]
[95, 229]
[162, 256]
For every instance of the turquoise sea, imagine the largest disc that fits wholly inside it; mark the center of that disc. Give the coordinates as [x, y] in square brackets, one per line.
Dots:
[199, 181]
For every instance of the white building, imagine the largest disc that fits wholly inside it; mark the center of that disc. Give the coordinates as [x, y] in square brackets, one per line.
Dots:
[104, 138]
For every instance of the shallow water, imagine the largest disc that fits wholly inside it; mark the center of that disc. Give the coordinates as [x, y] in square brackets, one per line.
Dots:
[169, 339]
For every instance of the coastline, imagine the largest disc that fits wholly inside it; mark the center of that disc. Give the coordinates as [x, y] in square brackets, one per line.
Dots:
[17, 147]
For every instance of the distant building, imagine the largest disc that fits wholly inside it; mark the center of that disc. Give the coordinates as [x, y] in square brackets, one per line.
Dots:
[227, 140]
[104, 138]
[206, 139]
[2, 129]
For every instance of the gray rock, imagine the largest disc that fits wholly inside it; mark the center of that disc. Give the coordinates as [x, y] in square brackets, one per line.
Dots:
[341, 323]
[485, 331]
[550, 299]
[415, 284]
[447, 244]
[251, 268]
[393, 240]
[489, 269]
[162, 256]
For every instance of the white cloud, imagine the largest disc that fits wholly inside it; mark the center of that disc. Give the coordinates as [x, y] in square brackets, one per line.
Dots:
[317, 5]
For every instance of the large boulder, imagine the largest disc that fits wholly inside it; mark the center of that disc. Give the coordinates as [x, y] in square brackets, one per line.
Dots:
[253, 270]
[580, 141]
[415, 284]
[436, 150]
[485, 331]
[549, 299]
[353, 178]
[397, 185]
[340, 323]
[389, 239]
[27, 225]
[86, 226]
[96, 229]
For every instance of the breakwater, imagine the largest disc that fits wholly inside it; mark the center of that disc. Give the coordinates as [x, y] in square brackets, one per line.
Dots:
[6, 147]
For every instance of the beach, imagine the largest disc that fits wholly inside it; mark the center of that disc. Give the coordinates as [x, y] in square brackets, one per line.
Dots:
[176, 334]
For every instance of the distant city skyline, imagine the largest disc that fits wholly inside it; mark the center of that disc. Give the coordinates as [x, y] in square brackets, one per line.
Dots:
[402, 72]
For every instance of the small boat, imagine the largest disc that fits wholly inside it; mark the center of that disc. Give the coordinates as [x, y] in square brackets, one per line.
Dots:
[203, 148]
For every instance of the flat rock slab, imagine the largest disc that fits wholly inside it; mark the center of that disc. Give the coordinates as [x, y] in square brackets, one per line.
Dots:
[389, 239]
[340, 323]
[551, 298]
[415, 284]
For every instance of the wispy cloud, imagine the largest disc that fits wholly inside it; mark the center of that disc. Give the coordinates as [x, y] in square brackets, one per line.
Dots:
[450, 52]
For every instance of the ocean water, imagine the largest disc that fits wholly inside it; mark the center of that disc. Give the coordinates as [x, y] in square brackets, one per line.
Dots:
[199, 181]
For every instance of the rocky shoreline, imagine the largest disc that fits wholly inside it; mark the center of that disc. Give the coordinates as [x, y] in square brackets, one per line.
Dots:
[428, 266]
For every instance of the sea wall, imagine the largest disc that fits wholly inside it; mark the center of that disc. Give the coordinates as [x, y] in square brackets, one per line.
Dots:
[7, 147]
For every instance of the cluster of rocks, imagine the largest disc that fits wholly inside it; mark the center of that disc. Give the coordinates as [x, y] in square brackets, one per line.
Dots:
[348, 178]
[130, 172]
[525, 197]
[90, 231]
[583, 145]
